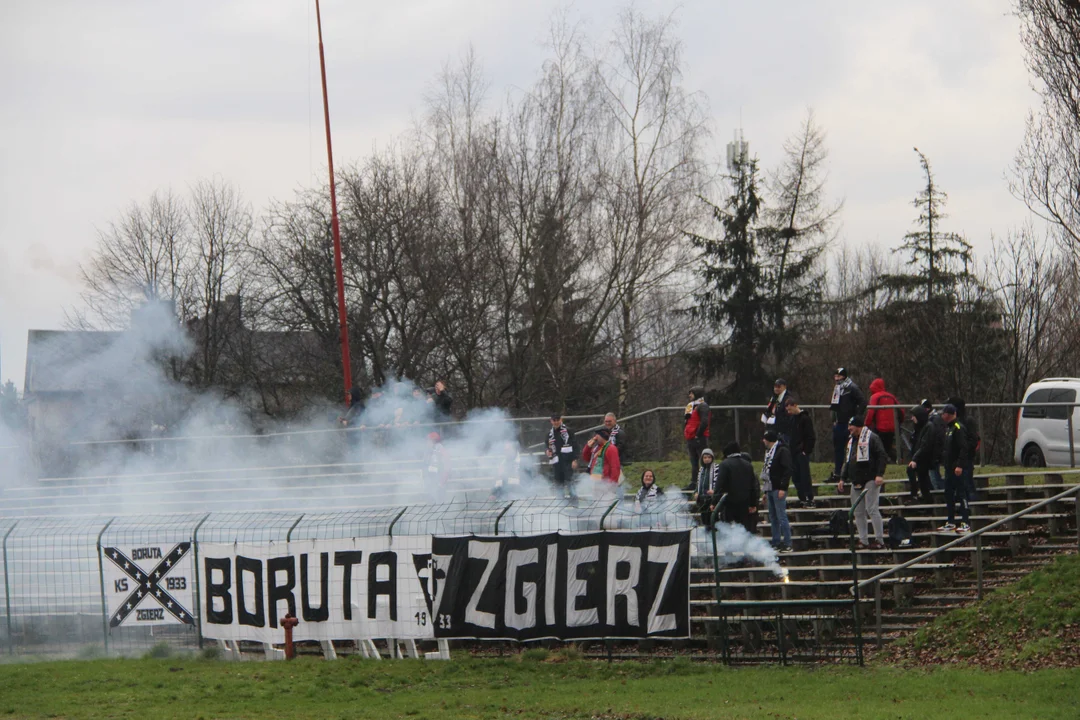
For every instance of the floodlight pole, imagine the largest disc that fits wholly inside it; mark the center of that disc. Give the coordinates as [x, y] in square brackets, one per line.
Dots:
[335, 229]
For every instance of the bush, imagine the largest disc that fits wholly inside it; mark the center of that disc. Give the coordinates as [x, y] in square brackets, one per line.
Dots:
[211, 652]
[159, 651]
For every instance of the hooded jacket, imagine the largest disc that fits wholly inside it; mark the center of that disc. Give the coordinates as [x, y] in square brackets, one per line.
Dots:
[928, 440]
[696, 416]
[882, 421]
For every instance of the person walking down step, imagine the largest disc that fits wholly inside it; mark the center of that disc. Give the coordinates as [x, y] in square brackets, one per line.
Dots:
[775, 477]
[696, 430]
[847, 401]
[865, 469]
[926, 447]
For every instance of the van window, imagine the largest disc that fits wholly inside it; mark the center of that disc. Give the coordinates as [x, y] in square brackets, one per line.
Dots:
[1042, 395]
[1049, 395]
[1060, 395]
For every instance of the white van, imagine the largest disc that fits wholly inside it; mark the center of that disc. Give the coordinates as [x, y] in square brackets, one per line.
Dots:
[1042, 433]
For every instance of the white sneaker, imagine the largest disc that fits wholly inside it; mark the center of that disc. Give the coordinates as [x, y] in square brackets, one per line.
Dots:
[947, 527]
[964, 529]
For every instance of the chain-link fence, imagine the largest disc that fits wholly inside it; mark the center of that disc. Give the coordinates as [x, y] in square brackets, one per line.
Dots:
[75, 586]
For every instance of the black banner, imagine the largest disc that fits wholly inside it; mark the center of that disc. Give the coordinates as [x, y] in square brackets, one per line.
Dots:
[566, 587]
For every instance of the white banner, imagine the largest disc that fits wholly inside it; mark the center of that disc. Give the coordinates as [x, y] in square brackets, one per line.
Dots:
[148, 585]
[338, 589]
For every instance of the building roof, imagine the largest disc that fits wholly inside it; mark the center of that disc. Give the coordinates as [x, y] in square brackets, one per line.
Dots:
[67, 361]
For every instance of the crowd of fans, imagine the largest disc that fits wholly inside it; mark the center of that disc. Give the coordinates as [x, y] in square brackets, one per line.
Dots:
[864, 433]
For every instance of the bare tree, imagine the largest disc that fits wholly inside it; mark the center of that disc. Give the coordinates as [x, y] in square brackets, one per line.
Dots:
[1046, 170]
[145, 256]
[650, 164]
[220, 222]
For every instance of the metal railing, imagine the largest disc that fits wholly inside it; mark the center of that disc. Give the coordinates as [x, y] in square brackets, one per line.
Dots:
[975, 536]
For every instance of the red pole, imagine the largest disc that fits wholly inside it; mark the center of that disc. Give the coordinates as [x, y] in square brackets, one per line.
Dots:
[345, 361]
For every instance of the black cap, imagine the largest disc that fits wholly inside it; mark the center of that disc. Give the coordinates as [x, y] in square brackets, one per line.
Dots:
[950, 408]
[771, 436]
[857, 421]
[604, 433]
[927, 404]
[841, 371]
[556, 416]
[732, 448]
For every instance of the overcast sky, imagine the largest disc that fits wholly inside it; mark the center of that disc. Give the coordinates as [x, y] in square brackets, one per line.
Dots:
[103, 102]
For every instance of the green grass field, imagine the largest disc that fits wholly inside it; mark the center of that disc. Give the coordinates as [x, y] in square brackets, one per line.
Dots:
[526, 686]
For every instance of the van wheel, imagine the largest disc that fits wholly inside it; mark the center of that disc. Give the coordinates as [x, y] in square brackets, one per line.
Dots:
[1033, 457]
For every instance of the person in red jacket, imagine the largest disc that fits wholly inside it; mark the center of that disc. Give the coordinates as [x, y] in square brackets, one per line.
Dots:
[883, 421]
[602, 458]
[696, 431]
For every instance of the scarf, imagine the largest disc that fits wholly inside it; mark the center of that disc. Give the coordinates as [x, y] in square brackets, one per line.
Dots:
[693, 404]
[839, 389]
[862, 452]
[766, 468]
[597, 468]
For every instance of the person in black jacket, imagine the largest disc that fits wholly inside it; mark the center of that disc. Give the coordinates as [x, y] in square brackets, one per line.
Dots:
[803, 439]
[971, 432]
[956, 456]
[926, 444]
[847, 401]
[775, 417]
[775, 477]
[736, 479]
[562, 456]
[865, 470]
[442, 400]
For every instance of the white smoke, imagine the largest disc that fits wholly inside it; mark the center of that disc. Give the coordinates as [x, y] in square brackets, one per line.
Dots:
[735, 544]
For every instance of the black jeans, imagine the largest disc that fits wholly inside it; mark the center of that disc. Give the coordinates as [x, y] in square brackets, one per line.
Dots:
[956, 492]
[919, 481]
[694, 448]
[804, 484]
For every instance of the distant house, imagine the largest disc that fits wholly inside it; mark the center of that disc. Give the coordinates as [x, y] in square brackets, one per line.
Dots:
[97, 385]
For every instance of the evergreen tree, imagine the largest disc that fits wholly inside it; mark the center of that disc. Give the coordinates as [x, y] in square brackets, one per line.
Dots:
[941, 261]
[735, 295]
[799, 224]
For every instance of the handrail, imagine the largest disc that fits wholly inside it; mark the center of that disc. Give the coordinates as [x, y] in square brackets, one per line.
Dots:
[1074, 490]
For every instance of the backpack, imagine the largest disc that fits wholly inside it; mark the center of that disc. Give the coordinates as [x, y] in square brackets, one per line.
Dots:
[838, 523]
[899, 532]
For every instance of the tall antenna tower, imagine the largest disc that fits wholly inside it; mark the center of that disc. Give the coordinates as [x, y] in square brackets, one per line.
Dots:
[738, 151]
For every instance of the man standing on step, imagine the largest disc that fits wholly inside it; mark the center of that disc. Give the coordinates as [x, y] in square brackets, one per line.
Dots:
[865, 470]
[737, 480]
[561, 457]
[956, 456]
[847, 401]
[696, 431]
[775, 478]
[803, 439]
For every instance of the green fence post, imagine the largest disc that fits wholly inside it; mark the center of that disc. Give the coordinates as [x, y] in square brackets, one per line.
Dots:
[7, 591]
[198, 590]
[101, 582]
